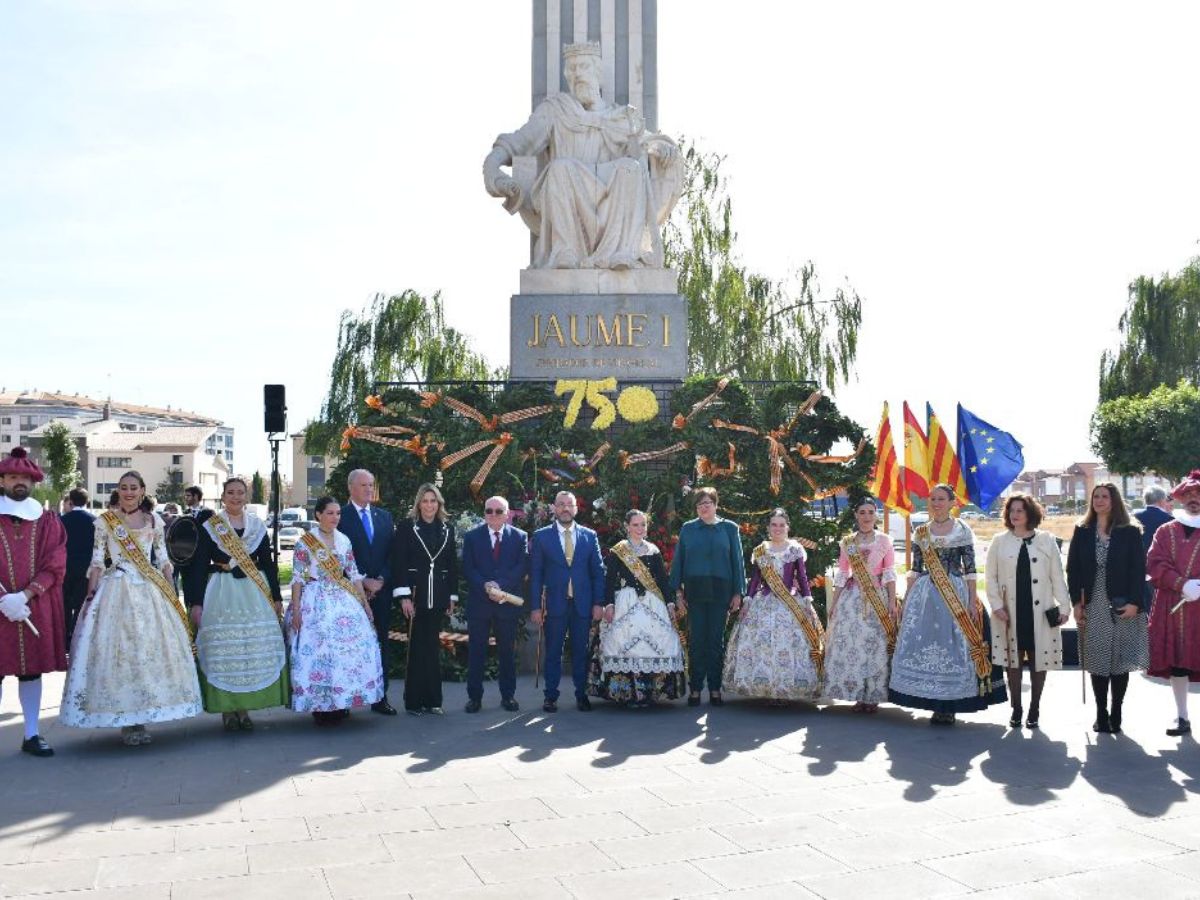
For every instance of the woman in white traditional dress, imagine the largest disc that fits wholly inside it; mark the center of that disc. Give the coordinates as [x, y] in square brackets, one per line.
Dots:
[943, 658]
[862, 615]
[638, 656]
[335, 655]
[131, 656]
[775, 648]
[232, 588]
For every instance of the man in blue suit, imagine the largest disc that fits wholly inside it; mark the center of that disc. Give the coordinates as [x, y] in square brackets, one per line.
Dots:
[567, 590]
[370, 531]
[495, 555]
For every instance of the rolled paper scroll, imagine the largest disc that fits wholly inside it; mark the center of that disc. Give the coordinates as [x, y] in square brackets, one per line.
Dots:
[505, 597]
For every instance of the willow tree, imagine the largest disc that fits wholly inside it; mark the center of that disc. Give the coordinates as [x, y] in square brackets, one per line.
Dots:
[398, 338]
[1160, 336]
[746, 324]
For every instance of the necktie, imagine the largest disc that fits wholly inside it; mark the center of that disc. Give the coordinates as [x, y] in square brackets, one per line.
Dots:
[569, 553]
[367, 527]
[496, 545]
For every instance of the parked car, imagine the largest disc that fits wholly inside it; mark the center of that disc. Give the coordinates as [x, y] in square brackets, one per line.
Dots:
[288, 537]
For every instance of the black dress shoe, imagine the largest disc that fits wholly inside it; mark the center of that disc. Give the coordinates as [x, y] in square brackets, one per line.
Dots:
[694, 699]
[1014, 721]
[510, 704]
[1182, 727]
[473, 706]
[384, 708]
[36, 746]
[583, 704]
[550, 706]
[1102, 725]
[715, 698]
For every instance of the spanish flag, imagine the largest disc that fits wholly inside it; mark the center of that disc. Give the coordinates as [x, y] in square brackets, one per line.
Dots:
[887, 483]
[943, 462]
[916, 456]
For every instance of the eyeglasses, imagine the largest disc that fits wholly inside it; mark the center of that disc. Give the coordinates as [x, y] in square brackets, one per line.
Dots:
[494, 512]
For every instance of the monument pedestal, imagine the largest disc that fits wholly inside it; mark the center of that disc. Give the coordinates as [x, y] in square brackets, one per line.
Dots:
[592, 335]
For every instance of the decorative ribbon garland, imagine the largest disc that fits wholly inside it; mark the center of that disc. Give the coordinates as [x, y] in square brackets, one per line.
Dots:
[814, 631]
[135, 555]
[681, 420]
[868, 588]
[628, 459]
[327, 560]
[972, 631]
[706, 468]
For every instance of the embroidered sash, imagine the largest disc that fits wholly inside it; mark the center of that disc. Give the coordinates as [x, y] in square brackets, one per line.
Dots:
[623, 550]
[812, 630]
[867, 587]
[134, 554]
[972, 630]
[227, 539]
[328, 561]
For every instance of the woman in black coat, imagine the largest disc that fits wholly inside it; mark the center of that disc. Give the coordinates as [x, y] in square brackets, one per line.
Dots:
[1106, 574]
[425, 567]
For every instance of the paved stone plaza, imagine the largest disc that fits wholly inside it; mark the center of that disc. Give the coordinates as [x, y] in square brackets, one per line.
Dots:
[670, 802]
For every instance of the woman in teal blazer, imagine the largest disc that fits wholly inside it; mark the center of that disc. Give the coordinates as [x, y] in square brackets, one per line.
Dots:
[708, 575]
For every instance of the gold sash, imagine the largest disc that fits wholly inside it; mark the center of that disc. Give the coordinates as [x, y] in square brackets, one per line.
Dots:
[980, 652]
[229, 541]
[135, 555]
[812, 630]
[866, 586]
[328, 561]
[624, 552]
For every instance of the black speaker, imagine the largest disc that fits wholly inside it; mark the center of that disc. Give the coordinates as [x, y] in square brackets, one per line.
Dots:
[274, 409]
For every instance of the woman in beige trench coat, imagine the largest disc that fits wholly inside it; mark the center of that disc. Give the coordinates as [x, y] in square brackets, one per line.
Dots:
[1027, 592]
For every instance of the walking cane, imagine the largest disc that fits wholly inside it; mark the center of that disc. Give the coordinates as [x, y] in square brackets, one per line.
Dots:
[1082, 651]
[537, 665]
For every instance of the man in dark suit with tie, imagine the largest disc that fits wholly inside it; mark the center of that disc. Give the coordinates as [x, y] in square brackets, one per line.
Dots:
[81, 529]
[567, 568]
[370, 531]
[495, 556]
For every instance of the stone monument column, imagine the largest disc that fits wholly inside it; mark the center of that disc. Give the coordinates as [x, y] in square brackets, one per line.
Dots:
[594, 181]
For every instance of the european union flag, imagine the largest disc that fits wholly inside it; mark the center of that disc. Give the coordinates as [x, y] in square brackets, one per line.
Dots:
[990, 458]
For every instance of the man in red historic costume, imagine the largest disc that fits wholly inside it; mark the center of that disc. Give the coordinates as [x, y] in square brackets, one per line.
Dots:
[33, 558]
[1174, 569]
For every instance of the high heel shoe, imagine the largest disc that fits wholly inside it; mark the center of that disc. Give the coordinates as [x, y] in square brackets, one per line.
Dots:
[1031, 721]
[1014, 721]
[1102, 725]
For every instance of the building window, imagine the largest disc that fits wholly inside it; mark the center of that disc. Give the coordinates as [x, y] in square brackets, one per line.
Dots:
[6, 420]
[6, 439]
[177, 459]
[114, 462]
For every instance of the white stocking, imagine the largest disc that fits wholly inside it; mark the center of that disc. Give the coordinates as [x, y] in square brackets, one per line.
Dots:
[1179, 685]
[30, 693]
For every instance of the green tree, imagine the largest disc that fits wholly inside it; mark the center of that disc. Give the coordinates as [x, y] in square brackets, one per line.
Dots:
[62, 457]
[257, 491]
[1159, 431]
[170, 489]
[399, 338]
[741, 323]
[1160, 336]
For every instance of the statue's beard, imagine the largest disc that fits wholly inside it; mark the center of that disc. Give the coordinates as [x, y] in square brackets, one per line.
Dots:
[587, 93]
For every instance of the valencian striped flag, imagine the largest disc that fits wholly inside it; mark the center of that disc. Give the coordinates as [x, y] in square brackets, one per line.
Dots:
[887, 483]
[916, 456]
[991, 458]
[943, 462]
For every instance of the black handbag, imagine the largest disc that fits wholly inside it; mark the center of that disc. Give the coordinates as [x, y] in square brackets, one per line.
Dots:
[1052, 616]
[1118, 603]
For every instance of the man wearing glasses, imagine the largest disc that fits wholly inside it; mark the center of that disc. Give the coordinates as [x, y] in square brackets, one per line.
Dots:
[495, 561]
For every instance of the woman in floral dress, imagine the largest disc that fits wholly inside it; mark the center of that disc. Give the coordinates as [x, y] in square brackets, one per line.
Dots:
[862, 618]
[131, 656]
[775, 649]
[335, 655]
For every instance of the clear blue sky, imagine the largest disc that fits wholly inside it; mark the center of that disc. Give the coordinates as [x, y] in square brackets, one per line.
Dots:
[191, 193]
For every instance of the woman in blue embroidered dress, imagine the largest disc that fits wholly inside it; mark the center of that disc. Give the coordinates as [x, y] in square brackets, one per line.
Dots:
[335, 654]
[935, 665]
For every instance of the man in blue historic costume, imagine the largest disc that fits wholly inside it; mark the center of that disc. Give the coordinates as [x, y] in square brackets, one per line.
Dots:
[33, 558]
[567, 568]
[495, 563]
[370, 530]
